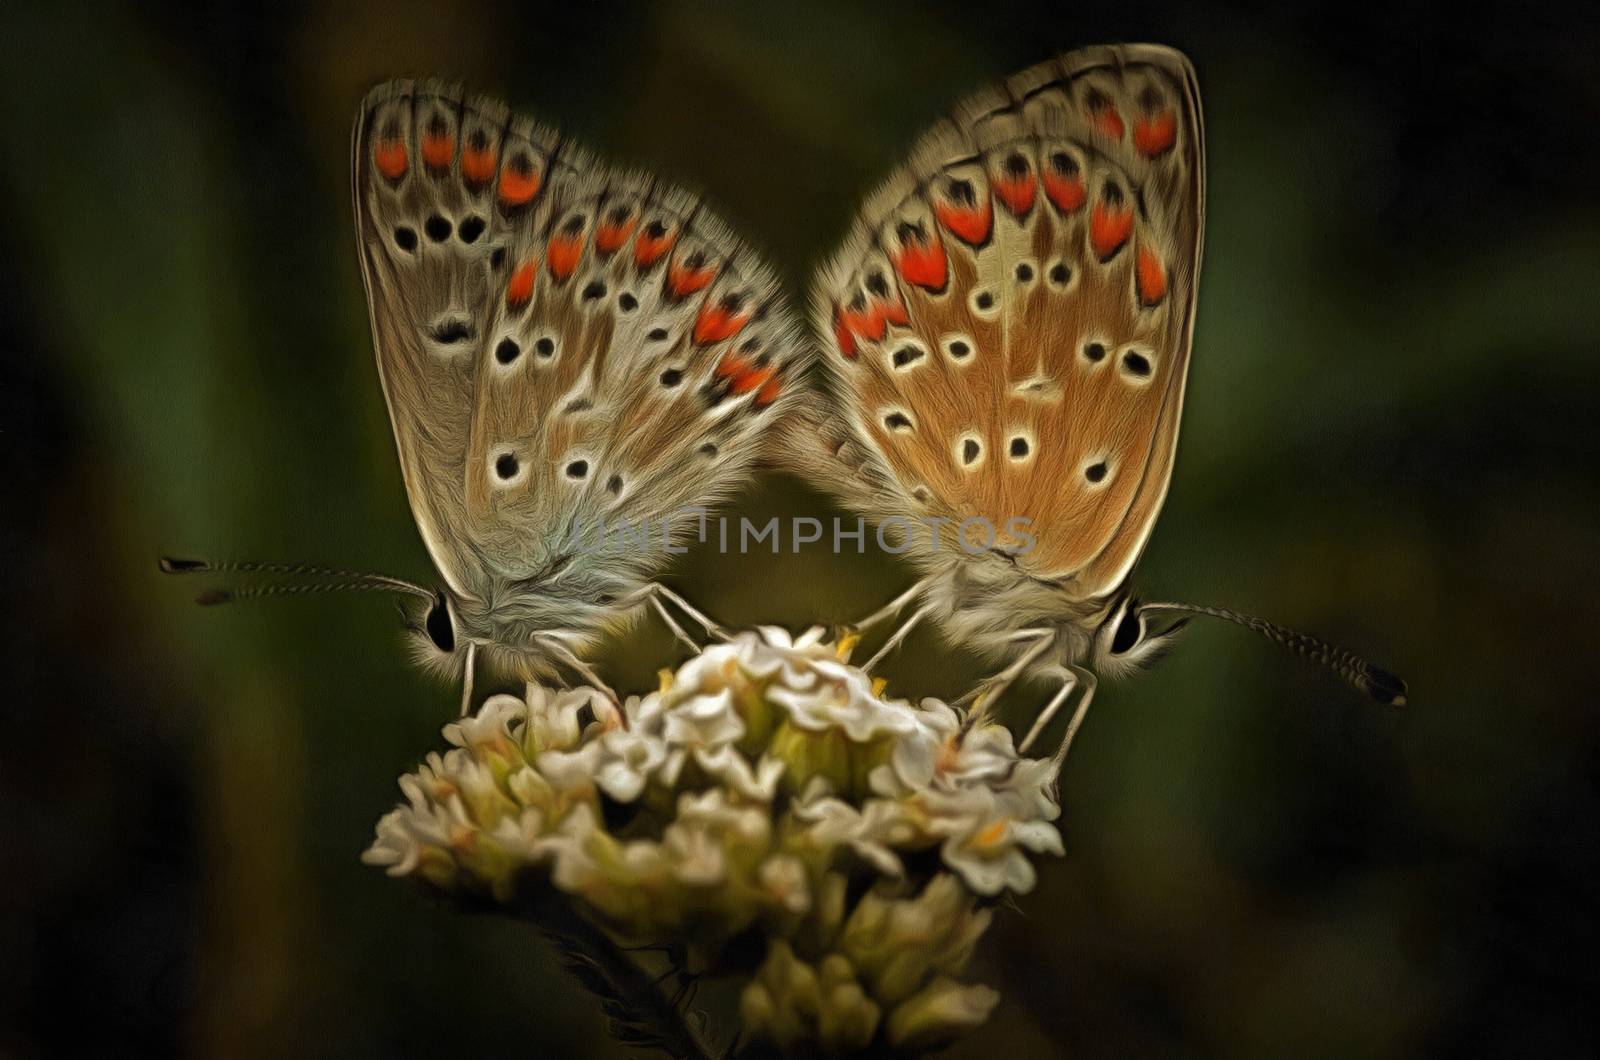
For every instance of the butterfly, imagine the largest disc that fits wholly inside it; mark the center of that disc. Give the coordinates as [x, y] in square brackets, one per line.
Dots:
[1006, 336]
[562, 345]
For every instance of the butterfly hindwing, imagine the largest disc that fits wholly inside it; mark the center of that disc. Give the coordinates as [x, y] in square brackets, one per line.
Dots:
[1009, 322]
[585, 344]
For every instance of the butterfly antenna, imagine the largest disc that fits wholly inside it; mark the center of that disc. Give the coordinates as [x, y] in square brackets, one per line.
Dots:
[346, 580]
[1376, 682]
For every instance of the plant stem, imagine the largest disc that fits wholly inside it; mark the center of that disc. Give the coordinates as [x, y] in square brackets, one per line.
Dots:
[638, 1012]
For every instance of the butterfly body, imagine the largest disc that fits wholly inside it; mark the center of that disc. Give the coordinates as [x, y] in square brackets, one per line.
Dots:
[567, 351]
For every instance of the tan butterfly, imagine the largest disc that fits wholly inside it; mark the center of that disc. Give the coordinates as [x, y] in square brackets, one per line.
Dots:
[563, 346]
[1007, 333]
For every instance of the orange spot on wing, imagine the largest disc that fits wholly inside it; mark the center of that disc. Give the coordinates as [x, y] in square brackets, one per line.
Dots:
[520, 290]
[1109, 229]
[842, 334]
[732, 366]
[563, 254]
[716, 323]
[390, 158]
[477, 166]
[1017, 193]
[683, 279]
[611, 236]
[1155, 134]
[867, 324]
[437, 151]
[1107, 120]
[892, 311]
[1068, 193]
[647, 249]
[753, 379]
[769, 393]
[518, 184]
[969, 223]
[1152, 278]
[922, 264]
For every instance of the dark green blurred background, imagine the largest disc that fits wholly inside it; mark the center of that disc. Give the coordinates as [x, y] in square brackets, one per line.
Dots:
[1390, 440]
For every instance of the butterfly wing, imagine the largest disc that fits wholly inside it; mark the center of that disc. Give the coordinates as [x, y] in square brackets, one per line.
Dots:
[1008, 325]
[559, 342]
[428, 298]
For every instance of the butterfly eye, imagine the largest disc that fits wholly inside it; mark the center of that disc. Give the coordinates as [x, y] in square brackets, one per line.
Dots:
[507, 351]
[578, 469]
[1129, 632]
[627, 302]
[1024, 272]
[1060, 274]
[437, 227]
[1096, 472]
[1094, 352]
[441, 630]
[406, 239]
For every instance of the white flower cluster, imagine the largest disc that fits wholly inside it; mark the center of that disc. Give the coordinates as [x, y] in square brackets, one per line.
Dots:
[763, 783]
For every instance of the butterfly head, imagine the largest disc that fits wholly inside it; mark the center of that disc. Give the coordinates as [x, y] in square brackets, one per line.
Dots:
[525, 627]
[1127, 642]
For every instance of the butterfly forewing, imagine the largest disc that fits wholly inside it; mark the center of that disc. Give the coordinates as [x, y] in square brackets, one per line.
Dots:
[428, 296]
[1009, 323]
[560, 343]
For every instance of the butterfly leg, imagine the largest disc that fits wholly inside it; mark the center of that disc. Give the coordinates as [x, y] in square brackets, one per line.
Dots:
[672, 624]
[893, 607]
[1069, 681]
[1089, 683]
[992, 688]
[568, 656]
[897, 636]
[711, 627]
[466, 678]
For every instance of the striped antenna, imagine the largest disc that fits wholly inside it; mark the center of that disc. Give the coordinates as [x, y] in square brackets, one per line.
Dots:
[1376, 682]
[343, 580]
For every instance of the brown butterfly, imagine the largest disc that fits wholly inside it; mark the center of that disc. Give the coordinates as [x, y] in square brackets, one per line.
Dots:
[1007, 333]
